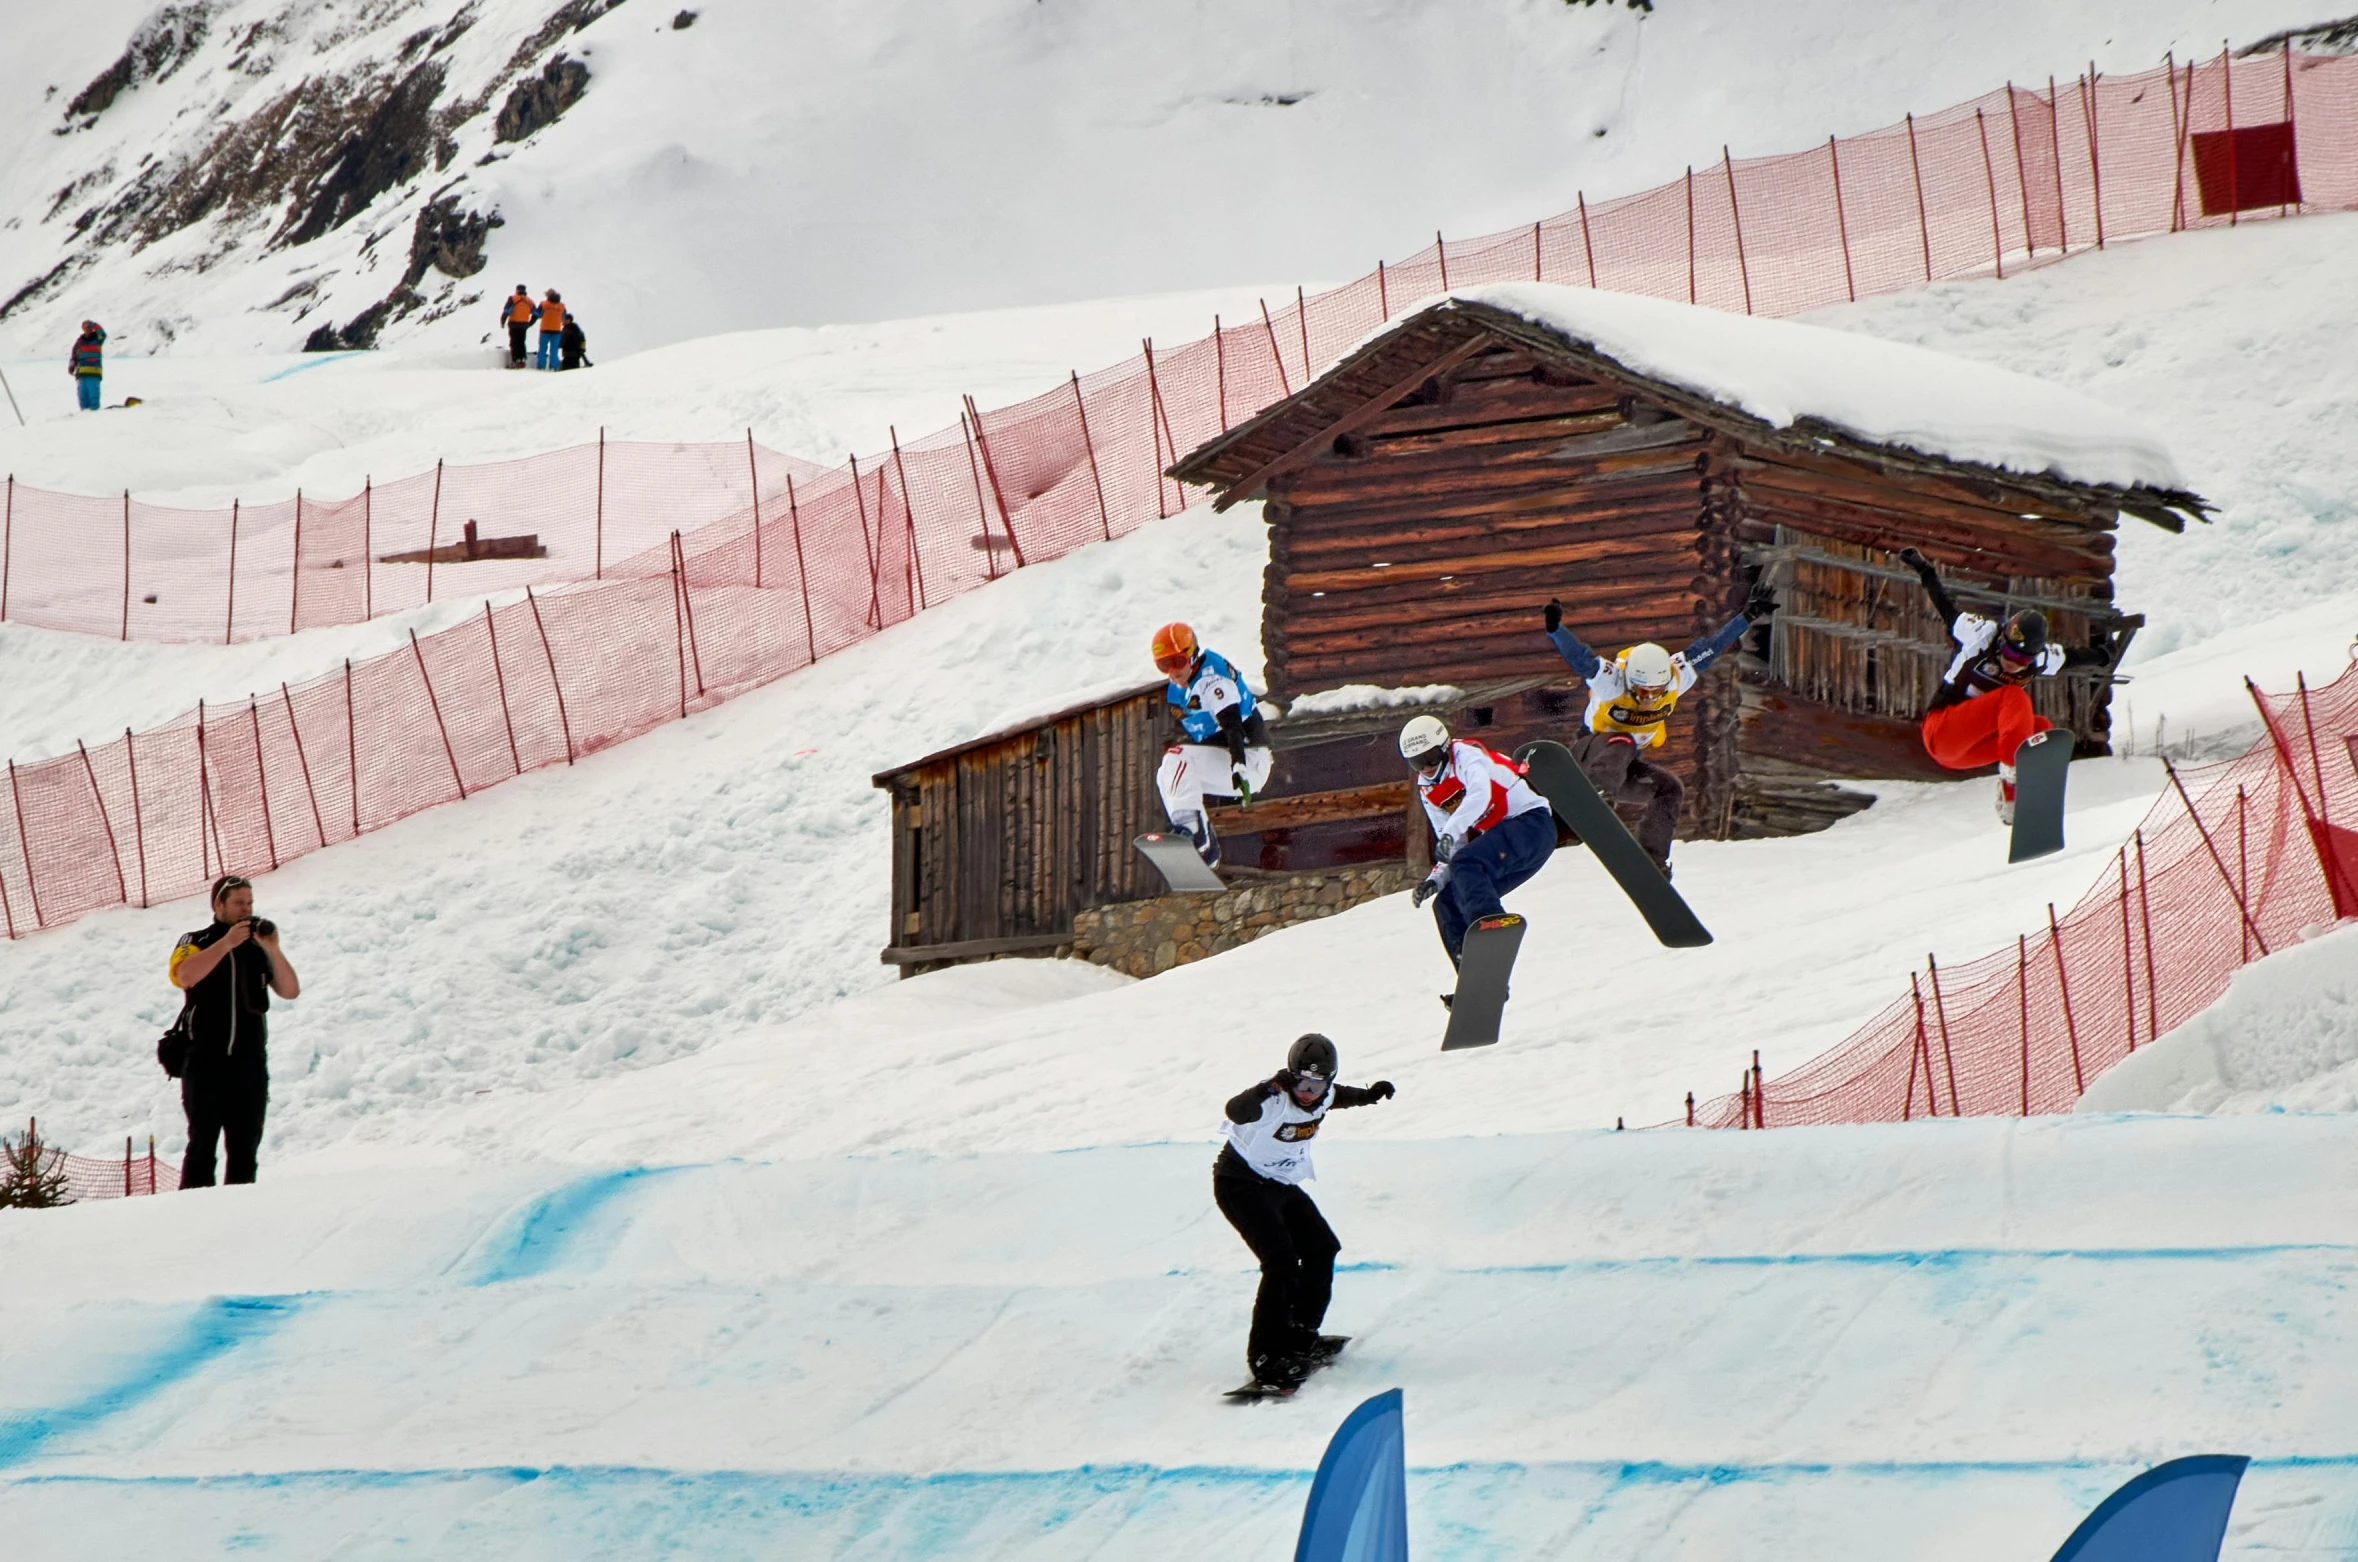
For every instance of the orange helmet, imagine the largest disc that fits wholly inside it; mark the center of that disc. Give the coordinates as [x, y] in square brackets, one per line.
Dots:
[1175, 650]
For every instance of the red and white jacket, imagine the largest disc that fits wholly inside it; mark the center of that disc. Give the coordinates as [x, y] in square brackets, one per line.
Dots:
[1474, 789]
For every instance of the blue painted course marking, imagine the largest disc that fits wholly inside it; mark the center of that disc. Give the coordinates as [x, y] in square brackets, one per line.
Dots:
[214, 1329]
[318, 360]
[554, 1228]
[1897, 1258]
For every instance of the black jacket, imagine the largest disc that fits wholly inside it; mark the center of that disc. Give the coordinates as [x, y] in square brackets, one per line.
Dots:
[228, 1022]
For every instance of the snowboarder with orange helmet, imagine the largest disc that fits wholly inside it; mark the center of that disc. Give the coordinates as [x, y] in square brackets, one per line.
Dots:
[1222, 746]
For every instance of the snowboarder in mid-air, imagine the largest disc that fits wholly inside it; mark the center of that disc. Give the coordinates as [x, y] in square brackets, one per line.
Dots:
[1223, 743]
[1257, 1182]
[1982, 713]
[1491, 831]
[1630, 699]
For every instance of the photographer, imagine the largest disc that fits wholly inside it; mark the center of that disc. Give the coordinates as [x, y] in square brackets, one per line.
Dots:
[229, 970]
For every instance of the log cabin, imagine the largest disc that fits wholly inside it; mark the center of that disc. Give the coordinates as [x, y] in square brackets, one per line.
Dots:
[1645, 463]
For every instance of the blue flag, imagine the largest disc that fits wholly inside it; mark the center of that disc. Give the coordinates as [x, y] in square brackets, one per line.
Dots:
[1358, 1510]
[2175, 1512]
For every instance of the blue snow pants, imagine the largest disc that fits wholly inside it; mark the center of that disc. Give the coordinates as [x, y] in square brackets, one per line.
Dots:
[546, 358]
[1486, 867]
[86, 387]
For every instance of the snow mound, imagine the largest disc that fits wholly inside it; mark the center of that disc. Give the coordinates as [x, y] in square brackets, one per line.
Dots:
[2284, 1038]
[1367, 696]
[1784, 372]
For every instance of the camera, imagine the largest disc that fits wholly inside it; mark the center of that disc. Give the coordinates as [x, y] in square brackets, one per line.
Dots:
[261, 927]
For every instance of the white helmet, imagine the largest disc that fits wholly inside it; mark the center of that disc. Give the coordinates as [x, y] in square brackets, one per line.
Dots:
[1422, 738]
[1646, 668]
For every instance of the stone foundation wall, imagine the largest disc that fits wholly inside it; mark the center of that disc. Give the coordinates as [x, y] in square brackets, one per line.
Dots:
[1142, 937]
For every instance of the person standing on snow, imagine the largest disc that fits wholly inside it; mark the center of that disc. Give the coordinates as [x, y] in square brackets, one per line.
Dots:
[1223, 746]
[228, 970]
[1629, 703]
[552, 329]
[572, 346]
[1257, 1182]
[1491, 831]
[1982, 711]
[517, 315]
[85, 363]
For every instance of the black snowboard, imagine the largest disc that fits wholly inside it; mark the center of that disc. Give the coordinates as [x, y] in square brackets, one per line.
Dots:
[1256, 1390]
[2040, 767]
[1557, 776]
[1482, 972]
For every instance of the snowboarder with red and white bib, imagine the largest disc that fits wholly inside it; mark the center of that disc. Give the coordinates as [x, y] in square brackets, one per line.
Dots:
[1491, 831]
[1257, 1182]
[1982, 712]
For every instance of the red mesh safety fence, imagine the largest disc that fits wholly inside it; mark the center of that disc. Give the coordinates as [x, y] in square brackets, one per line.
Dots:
[100, 1177]
[2235, 860]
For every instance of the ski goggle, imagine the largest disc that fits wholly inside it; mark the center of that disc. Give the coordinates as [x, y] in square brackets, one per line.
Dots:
[2020, 656]
[1306, 1080]
[1431, 759]
[1173, 663]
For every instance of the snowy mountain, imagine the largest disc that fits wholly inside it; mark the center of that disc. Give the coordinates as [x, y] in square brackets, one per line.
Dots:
[261, 175]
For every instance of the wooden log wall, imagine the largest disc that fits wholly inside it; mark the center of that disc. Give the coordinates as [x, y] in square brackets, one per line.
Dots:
[1013, 838]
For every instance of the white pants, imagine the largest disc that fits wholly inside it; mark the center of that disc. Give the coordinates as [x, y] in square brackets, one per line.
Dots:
[1191, 772]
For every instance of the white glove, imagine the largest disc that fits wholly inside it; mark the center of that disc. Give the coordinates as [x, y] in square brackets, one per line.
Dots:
[1435, 882]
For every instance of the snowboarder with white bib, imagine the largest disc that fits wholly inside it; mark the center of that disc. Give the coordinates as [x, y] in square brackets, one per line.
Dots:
[1223, 743]
[1257, 1182]
[1491, 830]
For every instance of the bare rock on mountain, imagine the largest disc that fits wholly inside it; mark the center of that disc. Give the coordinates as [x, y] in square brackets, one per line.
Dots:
[538, 101]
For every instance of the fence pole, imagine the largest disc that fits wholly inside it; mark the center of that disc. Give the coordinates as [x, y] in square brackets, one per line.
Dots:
[2022, 991]
[1990, 173]
[151, 1163]
[1759, 1092]
[909, 509]
[1302, 320]
[679, 554]
[1269, 328]
[433, 529]
[2030, 241]
[2251, 929]
[295, 568]
[1923, 222]
[564, 722]
[1383, 294]
[1219, 381]
[1850, 284]
[1917, 1050]
[753, 478]
[2055, 149]
[7, 543]
[2128, 955]
[7, 911]
[875, 591]
[982, 440]
[126, 630]
[435, 705]
[1441, 248]
[2145, 927]
[599, 524]
[138, 829]
[1588, 249]
[1948, 1060]
[229, 614]
[982, 511]
[1158, 433]
[2095, 158]
[114, 850]
[2177, 142]
[126, 1166]
[204, 802]
[802, 574]
[679, 632]
[2227, 90]
[2242, 863]
[1736, 217]
[1080, 407]
[303, 762]
[24, 846]
[352, 746]
[262, 782]
[1690, 233]
[499, 680]
[368, 548]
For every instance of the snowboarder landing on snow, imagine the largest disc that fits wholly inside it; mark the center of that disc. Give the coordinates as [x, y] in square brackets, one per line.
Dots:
[1491, 831]
[86, 363]
[1630, 699]
[1982, 712]
[1257, 1182]
[1223, 746]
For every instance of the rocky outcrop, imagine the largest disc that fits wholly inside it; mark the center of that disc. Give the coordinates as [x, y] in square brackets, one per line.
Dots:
[538, 101]
[161, 46]
[446, 238]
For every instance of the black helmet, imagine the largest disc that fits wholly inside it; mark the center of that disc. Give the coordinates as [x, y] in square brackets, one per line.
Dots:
[2025, 634]
[1312, 1054]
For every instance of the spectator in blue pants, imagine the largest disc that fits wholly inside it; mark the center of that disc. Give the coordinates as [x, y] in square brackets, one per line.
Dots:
[85, 363]
[552, 330]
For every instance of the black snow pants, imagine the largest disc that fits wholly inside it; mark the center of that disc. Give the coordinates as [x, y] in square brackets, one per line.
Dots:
[1297, 1252]
[1634, 787]
[228, 1106]
[516, 350]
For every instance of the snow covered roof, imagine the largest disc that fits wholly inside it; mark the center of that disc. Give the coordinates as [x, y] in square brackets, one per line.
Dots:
[1887, 393]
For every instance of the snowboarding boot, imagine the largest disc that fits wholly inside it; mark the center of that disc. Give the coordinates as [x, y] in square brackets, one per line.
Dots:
[1199, 830]
[2006, 794]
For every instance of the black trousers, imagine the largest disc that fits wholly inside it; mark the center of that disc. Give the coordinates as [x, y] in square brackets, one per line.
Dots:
[516, 352]
[231, 1111]
[1297, 1251]
[1634, 786]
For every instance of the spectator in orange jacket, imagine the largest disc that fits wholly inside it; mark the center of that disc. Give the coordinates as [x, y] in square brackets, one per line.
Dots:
[552, 329]
[517, 315]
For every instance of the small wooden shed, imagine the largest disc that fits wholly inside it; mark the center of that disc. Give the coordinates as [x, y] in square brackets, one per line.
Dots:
[1430, 491]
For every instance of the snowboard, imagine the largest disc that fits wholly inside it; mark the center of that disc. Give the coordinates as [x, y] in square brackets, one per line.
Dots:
[2040, 767]
[1557, 776]
[1174, 856]
[1255, 1391]
[1482, 972]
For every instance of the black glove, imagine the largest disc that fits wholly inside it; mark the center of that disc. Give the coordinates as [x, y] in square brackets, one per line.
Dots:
[1762, 604]
[1381, 1090]
[1552, 615]
[1430, 887]
[1280, 1083]
[1914, 559]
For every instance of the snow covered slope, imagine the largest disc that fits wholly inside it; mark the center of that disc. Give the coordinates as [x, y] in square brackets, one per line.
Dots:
[241, 175]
